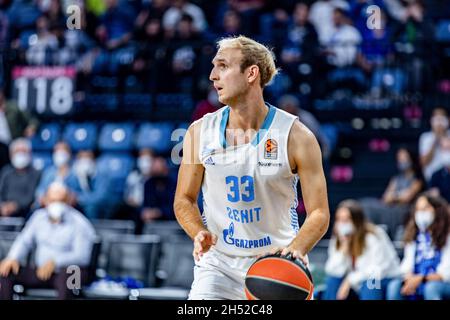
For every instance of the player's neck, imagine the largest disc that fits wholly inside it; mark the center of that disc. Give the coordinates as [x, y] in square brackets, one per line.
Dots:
[248, 113]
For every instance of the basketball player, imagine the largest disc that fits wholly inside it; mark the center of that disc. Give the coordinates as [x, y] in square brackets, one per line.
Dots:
[247, 158]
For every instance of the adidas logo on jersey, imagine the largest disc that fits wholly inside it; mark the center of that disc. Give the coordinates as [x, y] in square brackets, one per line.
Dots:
[210, 161]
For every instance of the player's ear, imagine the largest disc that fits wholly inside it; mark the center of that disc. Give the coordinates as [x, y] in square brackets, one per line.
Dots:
[253, 72]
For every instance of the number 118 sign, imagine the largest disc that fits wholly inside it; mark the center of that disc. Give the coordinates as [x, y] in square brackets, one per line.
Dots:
[46, 90]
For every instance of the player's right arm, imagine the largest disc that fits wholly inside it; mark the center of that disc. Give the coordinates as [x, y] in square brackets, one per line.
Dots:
[190, 178]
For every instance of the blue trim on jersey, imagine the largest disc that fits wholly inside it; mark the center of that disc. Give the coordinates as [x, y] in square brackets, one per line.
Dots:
[293, 210]
[265, 126]
[223, 125]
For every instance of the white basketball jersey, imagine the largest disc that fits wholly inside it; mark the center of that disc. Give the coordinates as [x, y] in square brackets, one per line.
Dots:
[249, 190]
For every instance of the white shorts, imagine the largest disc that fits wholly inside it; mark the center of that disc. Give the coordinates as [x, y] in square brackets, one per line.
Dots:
[218, 276]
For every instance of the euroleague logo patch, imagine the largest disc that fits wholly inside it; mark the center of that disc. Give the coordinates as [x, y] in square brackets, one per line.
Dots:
[271, 149]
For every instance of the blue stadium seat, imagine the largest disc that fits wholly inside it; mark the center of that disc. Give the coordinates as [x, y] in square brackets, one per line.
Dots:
[156, 136]
[46, 137]
[443, 31]
[116, 137]
[42, 160]
[392, 80]
[117, 167]
[81, 136]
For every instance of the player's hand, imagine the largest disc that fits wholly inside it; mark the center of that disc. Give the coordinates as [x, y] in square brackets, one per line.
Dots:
[8, 265]
[295, 253]
[286, 251]
[202, 243]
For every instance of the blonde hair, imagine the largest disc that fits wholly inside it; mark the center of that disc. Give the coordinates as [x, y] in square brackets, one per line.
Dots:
[254, 53]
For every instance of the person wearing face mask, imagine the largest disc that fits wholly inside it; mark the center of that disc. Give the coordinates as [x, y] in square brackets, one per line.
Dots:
[61, 236]
[159, 192]
[425, 268]
[393, 208]
[92, 196]
[134, 187]
[361, 258]
[440, 180]
[18, 181]
[430, 147]
[60, 171]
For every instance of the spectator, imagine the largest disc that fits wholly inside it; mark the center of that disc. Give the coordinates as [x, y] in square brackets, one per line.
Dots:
[376, 49]
[22, 17]
[159, 193]
[174, 14]
[14, 123]
[114, 34]
[134, 187]
[291, 104]
[250, 11]
[426, 263]
[403, 188]
[321, 16]
[149, 44]
[150, 11]
[414, 43]
[440, 180]
[231, 24]
[430, 143]
[301, 41]
[342, 47]
[210, 104]
[359, 255]
[61, 237]
[300, 46]
[184, 53]
[43, 44]
[94, 187]
[61, 171]
[18, 181]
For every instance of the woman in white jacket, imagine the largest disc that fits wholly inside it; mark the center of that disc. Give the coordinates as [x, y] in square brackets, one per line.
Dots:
[361, 256]
[426, 263]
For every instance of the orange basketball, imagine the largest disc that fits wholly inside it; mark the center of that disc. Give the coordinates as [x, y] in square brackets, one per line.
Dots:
[276, 277]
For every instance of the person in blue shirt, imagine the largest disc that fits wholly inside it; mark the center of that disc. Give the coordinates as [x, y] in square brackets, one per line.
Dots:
[60, 171]
[92, 195]
[61, 236]
[425, 266]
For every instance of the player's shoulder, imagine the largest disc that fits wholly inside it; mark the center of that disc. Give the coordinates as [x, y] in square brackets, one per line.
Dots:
[300, 133]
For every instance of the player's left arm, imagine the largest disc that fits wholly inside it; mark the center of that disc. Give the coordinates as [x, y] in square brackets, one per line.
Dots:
[305, 158]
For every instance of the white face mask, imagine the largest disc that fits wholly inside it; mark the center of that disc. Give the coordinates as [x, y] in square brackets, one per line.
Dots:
[344, 229]
[84, 167]
[144, 164]
[423, 219]
[21, 160]
[56, 210]
[439, 122]
[61, 158]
